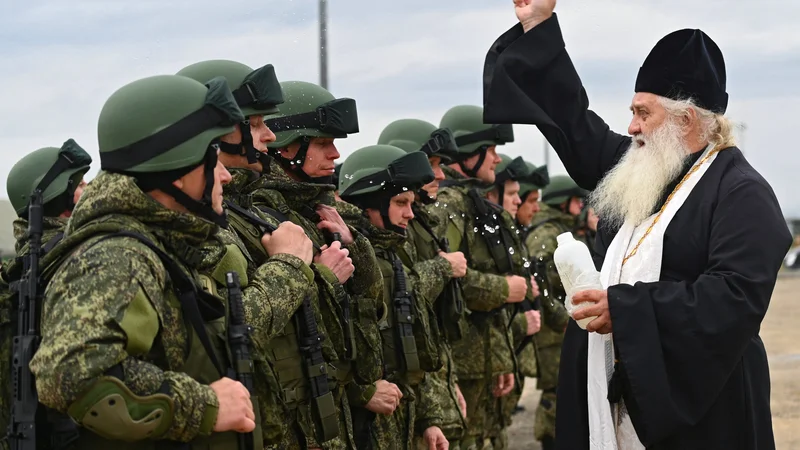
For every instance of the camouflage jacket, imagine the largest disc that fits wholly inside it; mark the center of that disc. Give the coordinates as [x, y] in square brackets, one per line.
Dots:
[541, 243]
[425, 281]
[52, 228]
[437, 393]
[483, 290]
[487, 350]
[111, 304]
[297, 201]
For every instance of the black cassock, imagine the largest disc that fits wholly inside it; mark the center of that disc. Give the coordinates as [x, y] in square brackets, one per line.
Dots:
[693, 369]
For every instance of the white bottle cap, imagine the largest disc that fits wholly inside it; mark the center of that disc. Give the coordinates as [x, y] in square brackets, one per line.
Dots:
[564, 238]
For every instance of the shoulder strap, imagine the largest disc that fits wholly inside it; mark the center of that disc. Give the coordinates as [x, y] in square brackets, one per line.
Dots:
[484, 212]
[274, 213]
[425, 226]
[52, 242]
[186, 290]
[448, 183]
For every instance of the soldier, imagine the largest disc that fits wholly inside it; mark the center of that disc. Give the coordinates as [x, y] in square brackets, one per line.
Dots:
[424, 251]
[586, 228]
[530, 190]
[525, 318]
[298, 188]
[126, 319]
[485, 361]
[382, 180]
[563, 201]
[59, 196]
[243, 153]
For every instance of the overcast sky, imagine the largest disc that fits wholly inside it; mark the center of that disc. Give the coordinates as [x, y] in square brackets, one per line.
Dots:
[61, 59]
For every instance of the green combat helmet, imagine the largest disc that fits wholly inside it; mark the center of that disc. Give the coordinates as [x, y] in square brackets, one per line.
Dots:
[257, 92]
[56, 171]
[371, 176]
[561, 189]
[508, 170]
[472, 135]
[309, 111]
[414, 135]
[160, 128]
[538, 178]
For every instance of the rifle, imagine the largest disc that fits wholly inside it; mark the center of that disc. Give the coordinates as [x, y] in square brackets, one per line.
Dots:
[260, 223]
[323, 408]
[239, 342]
[22, 428]
[344, 302]
[404, 316]
[452, 293]
[540, 275]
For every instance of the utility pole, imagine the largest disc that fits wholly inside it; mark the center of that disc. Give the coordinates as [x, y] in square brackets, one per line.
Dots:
[323, 43]
[546, 151]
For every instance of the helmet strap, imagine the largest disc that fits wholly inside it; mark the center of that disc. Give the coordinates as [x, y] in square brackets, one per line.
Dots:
[244, 148]
[295, 165]
[424, 197]
[387, 223]
[473, 172]
[203, 207]
[501, 193]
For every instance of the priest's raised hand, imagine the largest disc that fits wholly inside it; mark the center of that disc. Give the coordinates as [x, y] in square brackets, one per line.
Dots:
[533, 12]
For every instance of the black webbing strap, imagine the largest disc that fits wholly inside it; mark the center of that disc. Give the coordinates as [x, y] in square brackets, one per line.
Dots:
[157, 143]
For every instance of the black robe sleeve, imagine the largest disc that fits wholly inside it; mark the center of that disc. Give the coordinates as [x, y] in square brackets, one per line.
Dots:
[529, 78]
[679, 342]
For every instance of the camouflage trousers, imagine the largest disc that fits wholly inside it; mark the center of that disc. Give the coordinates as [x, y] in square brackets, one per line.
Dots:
[545, 423]
[485, 422]
[296, 438]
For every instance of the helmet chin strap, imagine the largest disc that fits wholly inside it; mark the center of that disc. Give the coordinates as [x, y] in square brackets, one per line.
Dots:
[387, 223]
[244, 148]
[473, 173]
[425, 197]
[204, 207]
[295, 165]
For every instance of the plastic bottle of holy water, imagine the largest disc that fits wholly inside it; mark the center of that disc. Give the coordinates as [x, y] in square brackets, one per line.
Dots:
[576, 268]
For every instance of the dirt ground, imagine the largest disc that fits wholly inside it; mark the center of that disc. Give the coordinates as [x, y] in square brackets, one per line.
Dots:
[781, 334]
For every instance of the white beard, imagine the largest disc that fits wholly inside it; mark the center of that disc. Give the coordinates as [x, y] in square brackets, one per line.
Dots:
[630, 190]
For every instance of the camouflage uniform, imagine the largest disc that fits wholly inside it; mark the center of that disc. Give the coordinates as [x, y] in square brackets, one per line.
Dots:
[541, 243]
[415, 413]
[487, 350]
[438, 388]
[526, 353]
[52, 229]
[283, 302]
[296, 200]
[136, 325]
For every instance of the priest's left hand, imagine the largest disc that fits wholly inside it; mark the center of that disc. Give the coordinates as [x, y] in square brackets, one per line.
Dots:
[600, 325]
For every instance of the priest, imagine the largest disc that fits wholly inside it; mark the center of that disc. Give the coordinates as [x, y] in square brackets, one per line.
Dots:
[689, 245]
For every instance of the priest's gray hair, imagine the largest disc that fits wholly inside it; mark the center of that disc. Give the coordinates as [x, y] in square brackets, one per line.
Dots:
[715, 128]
